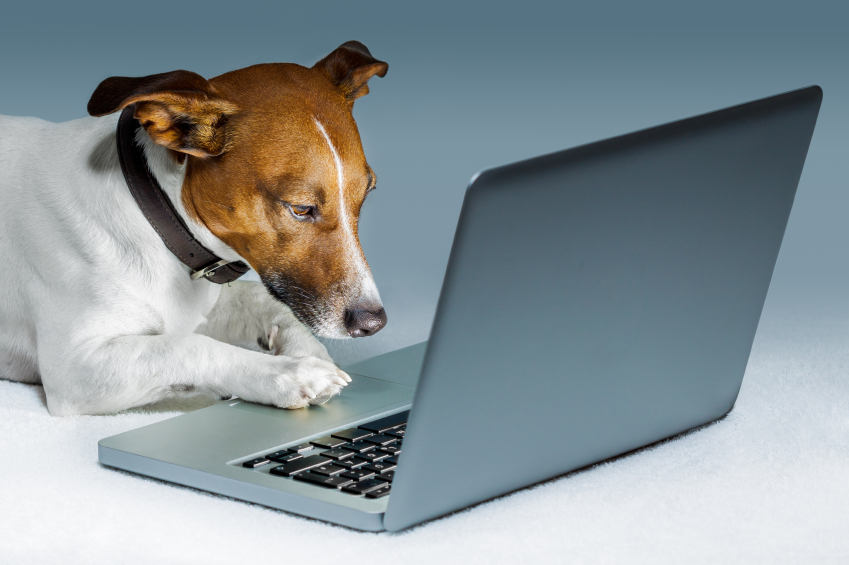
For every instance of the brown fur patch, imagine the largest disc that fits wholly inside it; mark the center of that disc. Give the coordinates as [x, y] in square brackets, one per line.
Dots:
[350, 67]
[187, 123]
[179, 110]
[254, 150]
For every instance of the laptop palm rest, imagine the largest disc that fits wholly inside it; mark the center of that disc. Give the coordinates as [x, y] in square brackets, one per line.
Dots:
[401, 366]
[233, 430]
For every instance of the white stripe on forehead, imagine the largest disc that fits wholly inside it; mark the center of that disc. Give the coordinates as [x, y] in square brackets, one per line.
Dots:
[367, 289]
[340, 176]
[340, 179]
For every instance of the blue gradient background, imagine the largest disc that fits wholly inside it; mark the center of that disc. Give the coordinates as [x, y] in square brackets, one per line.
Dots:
[477, 85]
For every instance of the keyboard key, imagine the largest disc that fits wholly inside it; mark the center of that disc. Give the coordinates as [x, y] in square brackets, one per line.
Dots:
[379, 493]
[322, 481]
[393, 460]
[328, 442]
[354, 434]
[363, 487]
[380, 467]
[397, 432]
[300, 448]
[254, 463]
[328, 470]
[285, 456]
[381, 439]
[388, 423]
[337, 453]
[388, 475]
[351, 463]
[359, 447]
[358, 474]
[372, 456]
[393, 449]
[299, 465]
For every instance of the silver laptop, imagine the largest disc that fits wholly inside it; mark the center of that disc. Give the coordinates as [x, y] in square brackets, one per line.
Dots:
[597, 300]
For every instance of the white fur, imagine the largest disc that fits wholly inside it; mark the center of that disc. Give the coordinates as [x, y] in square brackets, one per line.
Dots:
[99, 311]
[366, 290]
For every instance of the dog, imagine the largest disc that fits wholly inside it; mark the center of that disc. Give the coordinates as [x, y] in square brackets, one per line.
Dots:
[264, 165]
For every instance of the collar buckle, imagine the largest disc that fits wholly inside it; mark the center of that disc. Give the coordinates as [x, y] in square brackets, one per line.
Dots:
[209, 270]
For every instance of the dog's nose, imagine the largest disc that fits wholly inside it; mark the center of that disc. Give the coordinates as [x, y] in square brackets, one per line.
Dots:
[362, 322]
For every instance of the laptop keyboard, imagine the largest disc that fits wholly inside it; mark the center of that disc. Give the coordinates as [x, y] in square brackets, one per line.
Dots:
[359, 461]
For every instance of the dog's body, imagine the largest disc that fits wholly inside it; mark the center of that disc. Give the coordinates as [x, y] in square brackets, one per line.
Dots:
[97, 309]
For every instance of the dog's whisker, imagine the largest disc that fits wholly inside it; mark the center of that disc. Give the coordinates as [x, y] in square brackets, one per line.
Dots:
[309, 294]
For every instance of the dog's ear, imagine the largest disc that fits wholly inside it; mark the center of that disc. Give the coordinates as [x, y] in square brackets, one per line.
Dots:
[179, 110]
[350, 67]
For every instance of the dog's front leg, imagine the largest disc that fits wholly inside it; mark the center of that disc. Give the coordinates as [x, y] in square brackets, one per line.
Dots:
[132, 370]
[245, 311]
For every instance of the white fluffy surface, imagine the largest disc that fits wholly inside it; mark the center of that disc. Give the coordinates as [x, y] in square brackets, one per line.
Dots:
[768, 484]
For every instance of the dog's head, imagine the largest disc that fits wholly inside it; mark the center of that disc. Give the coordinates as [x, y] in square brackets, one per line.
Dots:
[275, 169]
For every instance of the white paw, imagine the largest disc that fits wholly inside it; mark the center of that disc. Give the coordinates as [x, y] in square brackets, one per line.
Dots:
[304, 380]
[295, 340]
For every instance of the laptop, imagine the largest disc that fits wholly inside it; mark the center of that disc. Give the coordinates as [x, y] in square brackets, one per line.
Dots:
[596, 300]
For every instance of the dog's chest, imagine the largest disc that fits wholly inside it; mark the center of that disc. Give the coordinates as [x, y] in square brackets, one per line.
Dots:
[184, 305]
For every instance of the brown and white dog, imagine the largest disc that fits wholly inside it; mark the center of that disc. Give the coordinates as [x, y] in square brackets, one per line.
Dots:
[264, 165]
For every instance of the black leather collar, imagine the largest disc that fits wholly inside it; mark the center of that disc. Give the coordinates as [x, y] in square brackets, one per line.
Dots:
[161, 213]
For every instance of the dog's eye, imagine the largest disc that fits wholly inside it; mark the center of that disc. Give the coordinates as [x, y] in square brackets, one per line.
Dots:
[302, 212]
